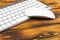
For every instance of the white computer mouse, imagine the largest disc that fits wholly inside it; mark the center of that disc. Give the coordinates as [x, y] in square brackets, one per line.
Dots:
[40, 13]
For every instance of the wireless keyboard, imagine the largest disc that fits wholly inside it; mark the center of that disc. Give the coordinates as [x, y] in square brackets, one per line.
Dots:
[14, 14]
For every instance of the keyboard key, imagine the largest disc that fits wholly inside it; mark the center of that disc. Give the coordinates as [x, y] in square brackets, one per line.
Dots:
[1, 28]
[14, 18]
[1, 23]
[13, 22]
[6, 21]
[1, 19]
[5, 18]
[9, 24]
[10, 19]
[5, 26]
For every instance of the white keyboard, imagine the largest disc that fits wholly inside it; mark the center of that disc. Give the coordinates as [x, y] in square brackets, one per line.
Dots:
[14, 14]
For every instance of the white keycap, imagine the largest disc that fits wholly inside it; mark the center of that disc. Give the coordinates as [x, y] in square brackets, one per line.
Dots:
[14, 18]
[6, 21]
[9, 24]
[4, 26]
[1, 19]
[1, 23]
[13, 22]
[10, 19]
[4, 18]
[1, 28]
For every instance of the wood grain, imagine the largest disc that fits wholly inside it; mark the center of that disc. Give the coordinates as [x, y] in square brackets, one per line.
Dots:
[36, 29]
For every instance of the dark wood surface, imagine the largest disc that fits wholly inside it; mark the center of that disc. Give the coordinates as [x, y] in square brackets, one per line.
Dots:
[35, 29]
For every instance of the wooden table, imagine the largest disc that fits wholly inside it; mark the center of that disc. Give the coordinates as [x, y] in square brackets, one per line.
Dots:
[36, 29]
